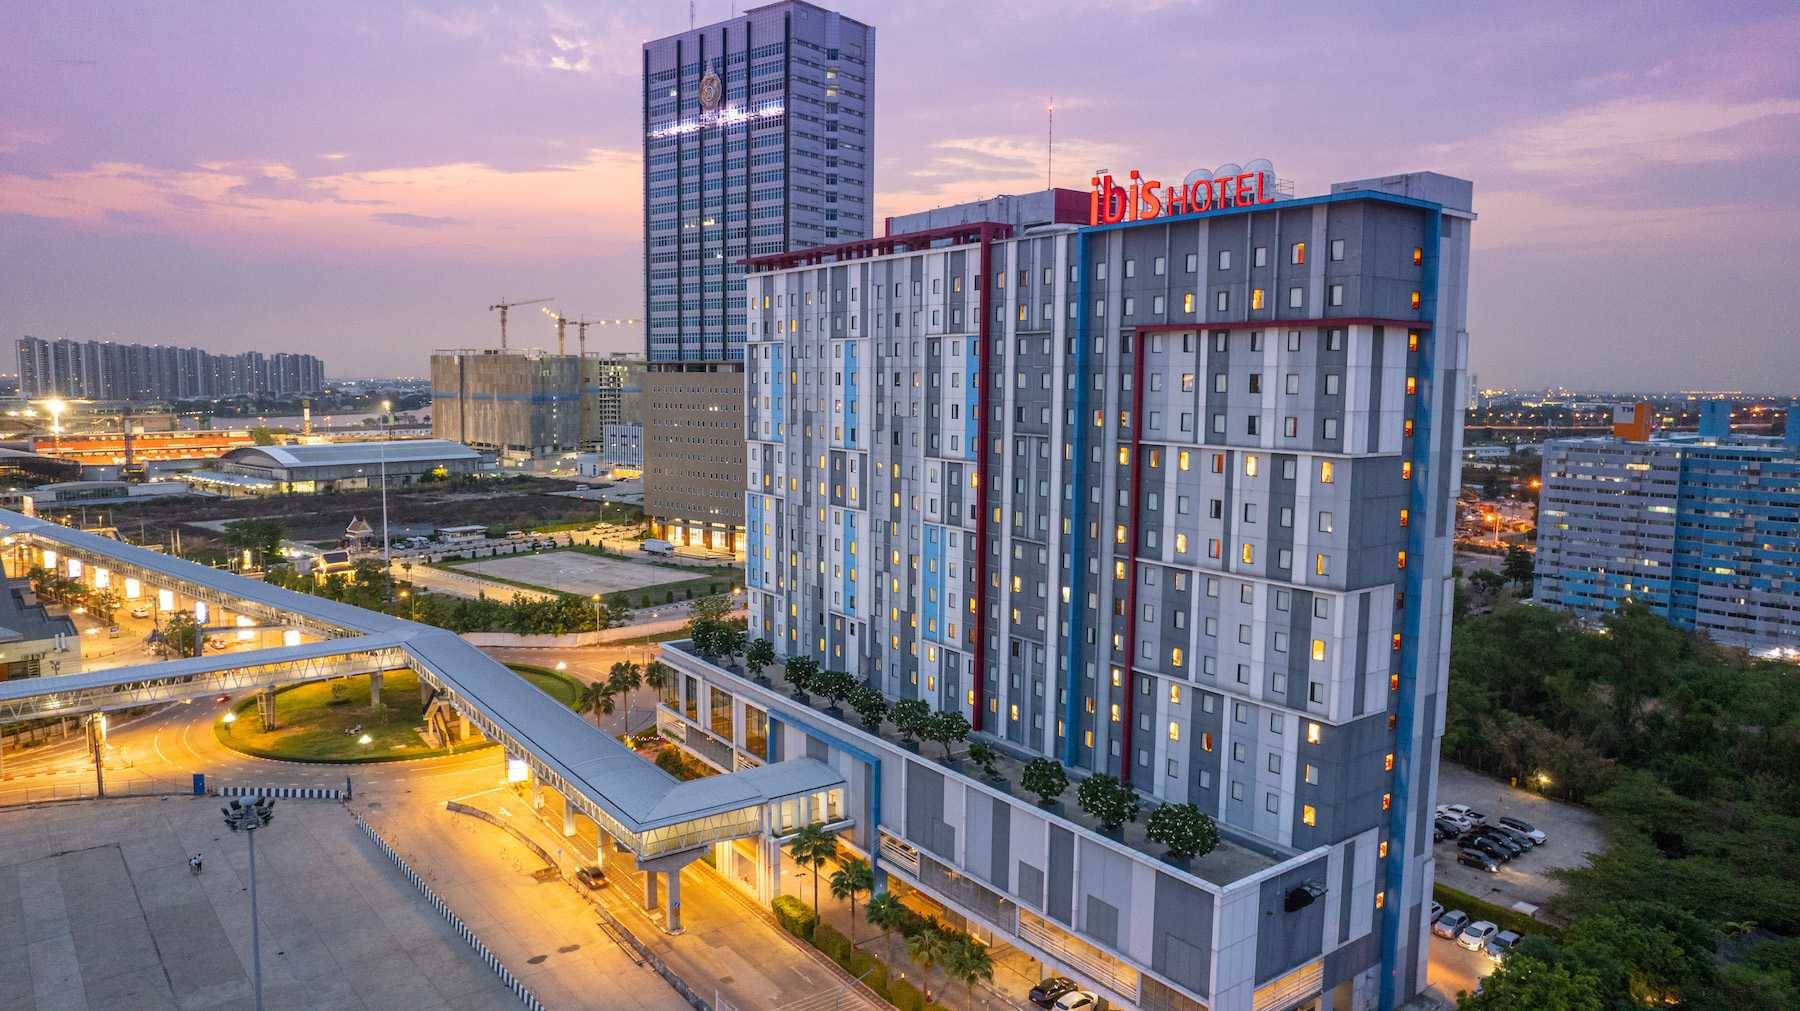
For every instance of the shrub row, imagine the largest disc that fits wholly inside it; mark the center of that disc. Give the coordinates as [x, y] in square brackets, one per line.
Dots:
[1506, 919]
[798, 920]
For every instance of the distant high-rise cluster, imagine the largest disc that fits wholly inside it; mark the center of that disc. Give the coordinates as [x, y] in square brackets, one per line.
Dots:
[103, 370]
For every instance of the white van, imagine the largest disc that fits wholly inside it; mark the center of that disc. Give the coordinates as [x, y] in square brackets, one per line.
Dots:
[655, 547]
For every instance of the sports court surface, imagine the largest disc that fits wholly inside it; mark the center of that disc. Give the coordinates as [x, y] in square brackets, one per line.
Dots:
[575, 572]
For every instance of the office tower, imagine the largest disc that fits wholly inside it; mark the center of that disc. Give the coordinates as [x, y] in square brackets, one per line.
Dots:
[1168, 499]
[758, 134]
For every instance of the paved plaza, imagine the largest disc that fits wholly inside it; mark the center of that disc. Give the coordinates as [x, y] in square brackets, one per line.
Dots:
[98, 909]
[575, 572]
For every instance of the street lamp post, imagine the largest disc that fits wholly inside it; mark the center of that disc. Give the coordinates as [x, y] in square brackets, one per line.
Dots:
[596, 612]
[387, 564]
[247, 818]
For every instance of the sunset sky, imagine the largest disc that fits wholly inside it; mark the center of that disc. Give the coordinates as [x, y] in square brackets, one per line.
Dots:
[360, 180]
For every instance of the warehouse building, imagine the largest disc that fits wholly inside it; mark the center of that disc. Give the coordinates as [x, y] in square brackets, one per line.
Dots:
[351, 466]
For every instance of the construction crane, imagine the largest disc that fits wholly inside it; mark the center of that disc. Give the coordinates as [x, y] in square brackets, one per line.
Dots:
[581, 328]
[503, 305]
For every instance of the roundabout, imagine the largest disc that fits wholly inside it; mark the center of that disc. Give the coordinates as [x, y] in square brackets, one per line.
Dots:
[332, 722]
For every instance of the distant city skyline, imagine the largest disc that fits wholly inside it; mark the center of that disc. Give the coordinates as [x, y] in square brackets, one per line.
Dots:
[368, 194]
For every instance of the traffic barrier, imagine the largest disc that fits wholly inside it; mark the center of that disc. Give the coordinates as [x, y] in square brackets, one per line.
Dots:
[283, 792]
[519, 989]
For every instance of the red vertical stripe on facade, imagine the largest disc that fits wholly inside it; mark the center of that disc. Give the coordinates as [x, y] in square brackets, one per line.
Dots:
[1131, 548]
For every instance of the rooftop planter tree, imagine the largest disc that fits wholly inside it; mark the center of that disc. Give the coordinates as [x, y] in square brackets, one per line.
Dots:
[1046, 778]
[910, 716]
[1107, 801]
[985, 758]
[704, 634]
[730, 642]
[1184, 829]
[803, 674]
[870, 705]
[945, 728]
[836, 685]
[758, 655]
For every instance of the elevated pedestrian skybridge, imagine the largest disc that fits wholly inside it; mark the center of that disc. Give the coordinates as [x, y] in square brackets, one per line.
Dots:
[641, 807]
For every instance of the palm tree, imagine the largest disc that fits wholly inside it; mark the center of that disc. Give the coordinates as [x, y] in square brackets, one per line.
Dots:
[658, 675]
[929, 947]
[888, 913]
[811, 847]
[625, 676]
[596, 698]
[847, 882]
[969, 962]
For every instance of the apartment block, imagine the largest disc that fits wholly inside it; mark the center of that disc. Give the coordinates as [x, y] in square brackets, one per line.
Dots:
[1703, 528]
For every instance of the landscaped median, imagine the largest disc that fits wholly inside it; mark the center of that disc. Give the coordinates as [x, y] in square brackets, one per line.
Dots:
[1478, 909]
[326, 721]
[797, 919]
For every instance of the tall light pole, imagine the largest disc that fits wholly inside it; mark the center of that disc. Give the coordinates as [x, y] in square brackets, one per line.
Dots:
[247, 818]
[596, 612]
[387, 564]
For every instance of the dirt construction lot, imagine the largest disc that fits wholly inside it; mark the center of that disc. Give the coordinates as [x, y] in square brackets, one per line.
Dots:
[575, 572]
[1574, 833]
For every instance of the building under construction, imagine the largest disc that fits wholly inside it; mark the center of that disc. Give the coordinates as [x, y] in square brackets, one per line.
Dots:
[524, 405]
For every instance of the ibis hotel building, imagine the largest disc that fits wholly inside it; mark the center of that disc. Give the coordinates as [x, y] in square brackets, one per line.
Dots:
[1160, 490]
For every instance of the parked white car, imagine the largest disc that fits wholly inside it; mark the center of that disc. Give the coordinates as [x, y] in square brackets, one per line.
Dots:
[1526, 829]
[1079, 1000]
[1462, 811]
[1475, 936]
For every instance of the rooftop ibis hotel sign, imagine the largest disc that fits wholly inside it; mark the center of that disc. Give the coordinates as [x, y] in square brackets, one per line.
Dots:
[1141, 199]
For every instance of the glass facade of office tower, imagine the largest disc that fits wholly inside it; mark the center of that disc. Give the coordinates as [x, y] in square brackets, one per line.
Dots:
[757, 139]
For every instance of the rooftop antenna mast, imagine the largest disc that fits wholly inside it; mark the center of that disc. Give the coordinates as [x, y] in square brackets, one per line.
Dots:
[1050, 144]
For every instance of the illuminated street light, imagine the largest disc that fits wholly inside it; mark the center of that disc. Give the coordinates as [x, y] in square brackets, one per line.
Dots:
[247, 818]
[365, 740]
[230, 717]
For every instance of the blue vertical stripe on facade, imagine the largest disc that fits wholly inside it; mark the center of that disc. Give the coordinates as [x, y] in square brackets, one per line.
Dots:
[850, 421]
[753, 540]
[972, 402]
[1406, 762]
[777, 402]
[934, 583]
[849, 583]
[1077, 506]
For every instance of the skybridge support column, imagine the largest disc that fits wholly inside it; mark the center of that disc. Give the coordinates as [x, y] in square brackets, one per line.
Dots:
[464, 717]
[96, 735]
[265, 707]
[649, 890]
[568, 817]
[375, 705]
[670, 868]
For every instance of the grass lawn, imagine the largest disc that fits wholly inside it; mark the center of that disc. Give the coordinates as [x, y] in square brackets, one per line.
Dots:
[314, 721]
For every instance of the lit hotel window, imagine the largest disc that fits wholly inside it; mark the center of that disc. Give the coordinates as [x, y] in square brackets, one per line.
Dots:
[1387, 801]
[1174, 731]
[1400, 559]
[1389, 763]
[1418, 255]
[1415, 300]
[1405, 517]
[1299, 253]
[1412, 385]
[1382, 850]
[1206, 741]
[1406, 470]
[1412, 340]
[1327, 471]
[1318, 649]
[1256, 298]
[1308, 815]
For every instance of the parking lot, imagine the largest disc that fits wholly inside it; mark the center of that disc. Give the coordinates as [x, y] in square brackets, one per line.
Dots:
[1574, 832]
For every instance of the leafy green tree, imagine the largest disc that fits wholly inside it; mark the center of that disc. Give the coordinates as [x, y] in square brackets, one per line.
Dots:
[812, 847]
[712, 608]
[1184, 829]
[103, 604]
[262, 435]
[945, 727]
[802, 672]
[835, 685]
[759, 654]
[968, 962]
[1524, 982]
[1518, 566]
[870, 705]
[910, 717]
[261, 537]
[855, 877]
[1107, 801]
[1046, 778]
[181, 634]
[704, 634]
[1487, 581]
[985, 758]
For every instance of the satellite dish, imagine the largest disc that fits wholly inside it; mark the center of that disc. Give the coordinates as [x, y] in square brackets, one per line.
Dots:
[1261, 166]
[1227, 170]
[1194, 177]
